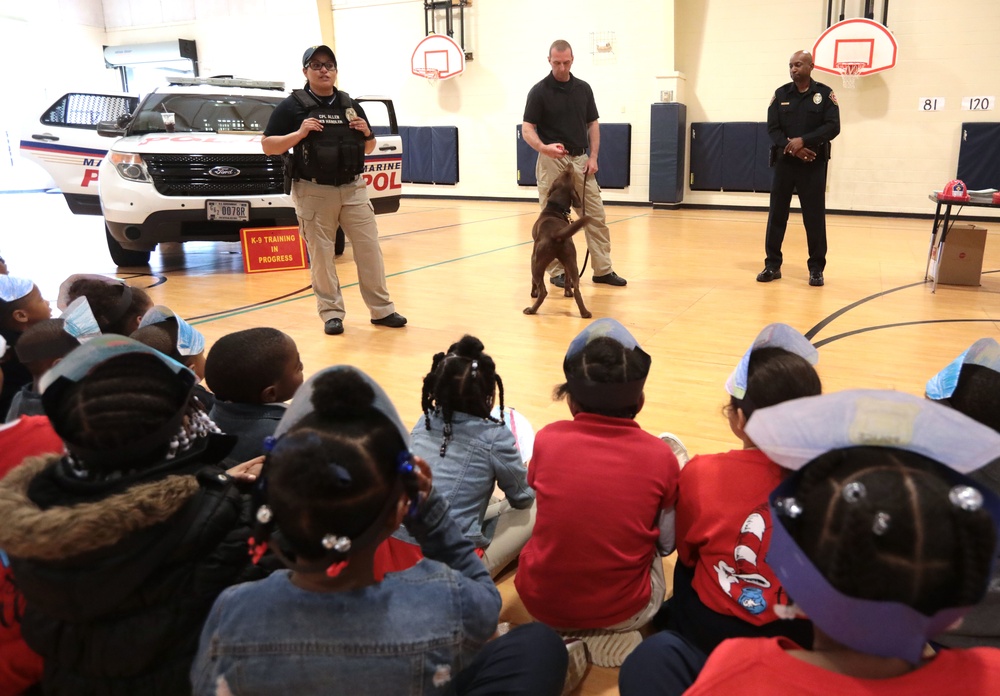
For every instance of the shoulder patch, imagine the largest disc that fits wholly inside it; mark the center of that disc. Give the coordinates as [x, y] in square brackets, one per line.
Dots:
[833, 98]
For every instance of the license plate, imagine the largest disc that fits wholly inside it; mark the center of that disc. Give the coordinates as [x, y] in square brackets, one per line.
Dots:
[228, 210]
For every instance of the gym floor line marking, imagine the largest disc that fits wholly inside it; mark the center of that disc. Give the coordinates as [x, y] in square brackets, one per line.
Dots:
[226, 314]
[867, 329]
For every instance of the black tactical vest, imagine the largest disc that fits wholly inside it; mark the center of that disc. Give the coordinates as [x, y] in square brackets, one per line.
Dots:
[334, 155]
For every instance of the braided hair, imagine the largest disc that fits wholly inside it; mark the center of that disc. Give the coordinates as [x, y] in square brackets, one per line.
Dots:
[334, 470]
[463, 380]
[878, 524]
[604, 360]
[775, 375]
[977, 395]
[107, 300]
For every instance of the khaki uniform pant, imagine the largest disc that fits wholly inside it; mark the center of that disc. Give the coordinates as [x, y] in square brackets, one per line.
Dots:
[597, 234]
[321, 209]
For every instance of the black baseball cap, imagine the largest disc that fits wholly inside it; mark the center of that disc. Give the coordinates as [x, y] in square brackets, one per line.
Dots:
[312, 50]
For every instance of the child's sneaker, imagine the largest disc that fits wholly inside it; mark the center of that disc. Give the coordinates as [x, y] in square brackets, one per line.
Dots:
[577, 667]
[680, 451]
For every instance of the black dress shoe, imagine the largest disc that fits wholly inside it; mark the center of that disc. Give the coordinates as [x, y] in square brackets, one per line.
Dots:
[815, 278]
[559, 280]
[393, 321]
[333, 327]
[768, 274]
[611, 279]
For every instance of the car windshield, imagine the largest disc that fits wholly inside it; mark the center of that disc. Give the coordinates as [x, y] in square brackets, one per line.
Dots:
[203, 113]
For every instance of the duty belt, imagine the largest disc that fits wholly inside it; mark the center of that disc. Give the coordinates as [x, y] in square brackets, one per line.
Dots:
[576, 151]
[331, 182]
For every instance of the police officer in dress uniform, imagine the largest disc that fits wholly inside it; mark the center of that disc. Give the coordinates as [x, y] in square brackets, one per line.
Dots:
[560, 122]
[802, 119]
[330, 136]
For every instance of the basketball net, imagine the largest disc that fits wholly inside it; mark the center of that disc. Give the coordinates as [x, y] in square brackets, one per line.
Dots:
[850, 72]
[432, 75]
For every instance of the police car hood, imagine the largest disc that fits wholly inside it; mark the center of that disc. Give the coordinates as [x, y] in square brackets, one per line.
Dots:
[188, 143]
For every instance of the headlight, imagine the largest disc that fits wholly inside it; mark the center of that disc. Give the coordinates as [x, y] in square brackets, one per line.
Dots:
[130, 166]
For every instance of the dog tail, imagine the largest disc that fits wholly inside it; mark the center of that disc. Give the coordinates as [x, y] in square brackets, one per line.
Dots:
[571, 229]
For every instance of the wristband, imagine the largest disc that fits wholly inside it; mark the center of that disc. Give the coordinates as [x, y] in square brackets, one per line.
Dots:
[370, 136]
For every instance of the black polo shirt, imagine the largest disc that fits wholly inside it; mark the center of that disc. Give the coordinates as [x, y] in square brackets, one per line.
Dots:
[813, 115]
[561, 111]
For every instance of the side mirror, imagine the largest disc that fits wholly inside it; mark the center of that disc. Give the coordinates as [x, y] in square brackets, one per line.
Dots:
[111, 129]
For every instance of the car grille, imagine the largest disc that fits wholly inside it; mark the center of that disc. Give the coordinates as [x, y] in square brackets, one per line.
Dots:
[187, 175]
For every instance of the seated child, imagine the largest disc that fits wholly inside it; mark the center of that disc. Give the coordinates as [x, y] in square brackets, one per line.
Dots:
[117, 305]
[879, 537]
[43, 345]
[20, 666]
[336, 482]
[251, 373]
[470, 452]
[971, 385]
[606, 491]
[21, 305]
[121, 545]
[163, 330]
[723, 585]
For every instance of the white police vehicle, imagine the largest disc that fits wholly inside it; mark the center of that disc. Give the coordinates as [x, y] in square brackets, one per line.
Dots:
[187, 162]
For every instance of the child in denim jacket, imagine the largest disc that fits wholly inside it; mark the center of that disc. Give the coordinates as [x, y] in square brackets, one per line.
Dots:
[337, 481]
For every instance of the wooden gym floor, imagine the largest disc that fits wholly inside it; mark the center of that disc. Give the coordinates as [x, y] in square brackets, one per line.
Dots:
[463, 267]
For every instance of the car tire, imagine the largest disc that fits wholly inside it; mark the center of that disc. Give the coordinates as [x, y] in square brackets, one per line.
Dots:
[122, 256]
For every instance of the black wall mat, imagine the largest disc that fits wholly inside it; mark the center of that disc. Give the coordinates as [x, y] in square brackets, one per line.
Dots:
[614, 161]
[730, 157]
[761, 171]
[739, 145]
[979, 156]
[667, 138]
[444, 148]
[706, 156]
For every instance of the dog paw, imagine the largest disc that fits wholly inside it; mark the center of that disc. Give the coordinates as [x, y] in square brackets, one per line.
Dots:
[529, 310]
[586, 315]
[568, 292]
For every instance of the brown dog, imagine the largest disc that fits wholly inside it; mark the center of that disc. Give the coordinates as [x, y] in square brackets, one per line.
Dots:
[553, 235]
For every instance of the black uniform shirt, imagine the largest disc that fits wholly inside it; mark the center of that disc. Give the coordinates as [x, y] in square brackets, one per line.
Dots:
[561, 111]
[812, 115]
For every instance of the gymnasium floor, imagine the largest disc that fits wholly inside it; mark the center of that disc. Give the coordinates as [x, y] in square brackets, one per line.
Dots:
[463, 267]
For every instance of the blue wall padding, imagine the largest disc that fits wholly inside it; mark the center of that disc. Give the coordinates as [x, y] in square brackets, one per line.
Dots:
[979, 156]
[430, 154]
[526, 158]
[739, 145]
[761, 170]
[667, 139]
[706, 156]
[614, 160]
[444, 143]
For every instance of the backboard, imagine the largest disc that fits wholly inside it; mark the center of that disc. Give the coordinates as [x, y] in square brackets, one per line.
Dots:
[863, 45]
[437, 52]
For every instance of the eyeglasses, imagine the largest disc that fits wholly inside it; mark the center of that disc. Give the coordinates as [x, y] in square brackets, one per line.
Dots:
[317, 66]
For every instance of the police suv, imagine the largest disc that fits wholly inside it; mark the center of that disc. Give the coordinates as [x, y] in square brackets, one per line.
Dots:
[186, 163]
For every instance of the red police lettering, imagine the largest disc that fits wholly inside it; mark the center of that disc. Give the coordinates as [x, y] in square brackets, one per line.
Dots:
[368, 179]
[393, 183]
[88, 176]
[381, 182]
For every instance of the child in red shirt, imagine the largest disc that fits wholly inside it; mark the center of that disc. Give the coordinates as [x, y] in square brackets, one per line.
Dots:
[605, 491]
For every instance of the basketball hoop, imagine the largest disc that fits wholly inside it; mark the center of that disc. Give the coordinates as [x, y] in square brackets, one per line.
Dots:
[850, 71]
[430, 74]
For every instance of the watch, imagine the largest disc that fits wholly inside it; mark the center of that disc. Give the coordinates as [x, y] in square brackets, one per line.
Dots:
[371, 136]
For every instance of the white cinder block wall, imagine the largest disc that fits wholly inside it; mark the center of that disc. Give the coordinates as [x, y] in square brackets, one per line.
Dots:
[732, 54]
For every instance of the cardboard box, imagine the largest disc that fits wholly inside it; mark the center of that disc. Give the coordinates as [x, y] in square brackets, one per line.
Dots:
[962, 262]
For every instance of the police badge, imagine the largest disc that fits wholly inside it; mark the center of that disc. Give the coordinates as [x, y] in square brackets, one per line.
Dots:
[817, 98]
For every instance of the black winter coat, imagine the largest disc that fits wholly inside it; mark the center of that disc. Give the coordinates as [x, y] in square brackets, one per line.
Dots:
[119, 576]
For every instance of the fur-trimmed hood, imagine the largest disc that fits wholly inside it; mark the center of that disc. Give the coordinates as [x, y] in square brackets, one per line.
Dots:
[60, 532]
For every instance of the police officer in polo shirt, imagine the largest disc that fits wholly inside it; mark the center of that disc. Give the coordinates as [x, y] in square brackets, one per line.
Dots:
[330, 136]
[560, 122]
[802, 120]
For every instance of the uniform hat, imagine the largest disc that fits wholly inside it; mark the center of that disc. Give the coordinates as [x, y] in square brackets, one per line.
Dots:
[189, 340]
[609, 395]
[307, 56]
[13, 289]
[771, 336]
[794, 433]
[984, 352]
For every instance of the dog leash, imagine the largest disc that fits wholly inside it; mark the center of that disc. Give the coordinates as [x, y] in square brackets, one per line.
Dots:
[583, 211]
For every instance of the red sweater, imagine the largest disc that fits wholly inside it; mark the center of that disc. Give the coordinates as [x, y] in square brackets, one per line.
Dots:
[600, 484]
[724, 532]
[764, 666]
[20, 667]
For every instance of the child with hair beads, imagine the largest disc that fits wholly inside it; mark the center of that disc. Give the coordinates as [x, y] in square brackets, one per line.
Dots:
[121, 545]
[606, 491]
[723, 585]
[251, 373]
[470, 453]
[880, 537]
[117, 306]
[336, 482]
[970, 384]
[21, 306]
[43, 345]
